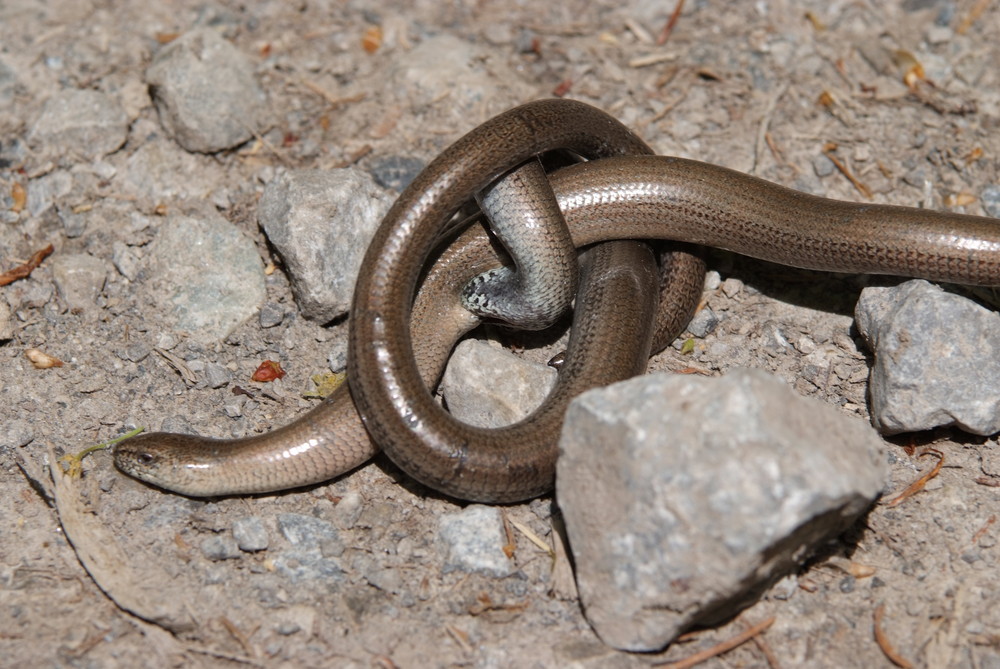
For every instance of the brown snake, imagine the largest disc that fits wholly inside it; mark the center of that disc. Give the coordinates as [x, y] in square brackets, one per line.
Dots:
[634, 197]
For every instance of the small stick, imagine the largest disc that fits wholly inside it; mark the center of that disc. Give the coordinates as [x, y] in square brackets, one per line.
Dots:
[885, 644]
[863, 189]
[919, 484]
[22, 271]
[671, 22]
[720, 648]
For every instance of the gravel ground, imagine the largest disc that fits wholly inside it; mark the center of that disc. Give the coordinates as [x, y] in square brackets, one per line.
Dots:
[354, 573]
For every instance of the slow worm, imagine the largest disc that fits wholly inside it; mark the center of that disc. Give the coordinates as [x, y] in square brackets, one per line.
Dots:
[637, 197]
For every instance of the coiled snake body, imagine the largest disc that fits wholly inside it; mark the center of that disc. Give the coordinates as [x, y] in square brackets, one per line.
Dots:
[623, 197]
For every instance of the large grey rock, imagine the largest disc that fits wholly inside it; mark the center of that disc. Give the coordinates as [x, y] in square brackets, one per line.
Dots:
[206, 273]
[937, 359]
[490, 387]
[81, 122]
[320, 222]
[684, 496]
[205, 92]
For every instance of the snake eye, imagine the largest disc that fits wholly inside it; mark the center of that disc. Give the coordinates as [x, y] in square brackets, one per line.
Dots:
[145, 458]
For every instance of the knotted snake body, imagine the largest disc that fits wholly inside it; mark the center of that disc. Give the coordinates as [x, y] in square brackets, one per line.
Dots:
[636, 197]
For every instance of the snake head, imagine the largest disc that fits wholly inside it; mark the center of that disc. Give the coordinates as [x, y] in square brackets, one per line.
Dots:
[185, 464]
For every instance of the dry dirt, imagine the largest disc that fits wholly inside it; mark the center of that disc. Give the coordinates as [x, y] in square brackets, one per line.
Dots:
[761, 87]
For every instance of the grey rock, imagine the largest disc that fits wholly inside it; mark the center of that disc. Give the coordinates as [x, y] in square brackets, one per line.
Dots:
[44, 192]
[136, 350]
[79, 278]
[177, 424]
[474, 538]
[6, 322]
[293, 619]
[287, 628]
[321, 222]
[307, 531]
[703, 323]
[126, 260]
[337, 357]
[379, 575]
[234, 406]
[250, 534]
[348, 510]
[396, 172]
[448, 65]
[490, 387]
[81, 122]
[684, 497]
[937, 359]
[731, 287]
[313, 540]
[216, 376]
[74, 224]
[160, 171]
[16, 433]
[990, 198]
[206, 273]
[8, 84]
[271, 315]
[205, 92]
[220, 547]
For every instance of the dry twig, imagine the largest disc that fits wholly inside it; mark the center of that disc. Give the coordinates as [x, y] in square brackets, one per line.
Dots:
[23, 270]
[885, 644]
[919, 484]
[720, 648]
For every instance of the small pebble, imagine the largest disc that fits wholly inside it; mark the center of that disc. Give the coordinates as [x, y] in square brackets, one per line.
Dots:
[250, 534]
[271, 314]
[395, 172]
[474, 538]
[703, 323]
[991, 200]
[220, 547]
[823, 166]
[6, 322]
[732, 287]
[348, 510]
[80, 278]
[216, 376]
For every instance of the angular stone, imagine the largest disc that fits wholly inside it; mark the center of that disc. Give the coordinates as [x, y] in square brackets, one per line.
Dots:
[6, 322]
[312, 540]
[469, 74]
[205, 92]
[475, 538]
[250, 534]
[81, 122]
[320, 222]
[218, 547]
[79, 278]
[937, 359]
[490, 387]
[685, 497]
[206, 273]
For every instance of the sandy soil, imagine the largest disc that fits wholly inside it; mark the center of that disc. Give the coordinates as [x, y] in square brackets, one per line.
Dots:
[760, 87]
